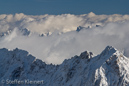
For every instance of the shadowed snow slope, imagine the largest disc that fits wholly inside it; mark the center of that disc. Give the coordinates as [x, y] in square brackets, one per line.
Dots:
[110, 68]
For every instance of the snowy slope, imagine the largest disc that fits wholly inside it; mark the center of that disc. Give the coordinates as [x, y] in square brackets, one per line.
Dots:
[110, 68]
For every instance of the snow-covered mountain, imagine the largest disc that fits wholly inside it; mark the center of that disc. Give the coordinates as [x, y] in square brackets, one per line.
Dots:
[79, 28]
[110, 68]
[24, 32]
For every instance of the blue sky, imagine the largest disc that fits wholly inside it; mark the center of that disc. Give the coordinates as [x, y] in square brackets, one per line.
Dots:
[39, 7]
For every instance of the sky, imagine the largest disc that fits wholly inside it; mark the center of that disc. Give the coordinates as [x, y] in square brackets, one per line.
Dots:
[56, 7]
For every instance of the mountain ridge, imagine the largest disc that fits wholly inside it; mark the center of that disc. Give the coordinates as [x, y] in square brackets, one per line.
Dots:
[110, 68]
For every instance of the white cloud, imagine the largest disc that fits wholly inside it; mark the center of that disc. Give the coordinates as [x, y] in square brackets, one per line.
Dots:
[55, 48]
[50, 23]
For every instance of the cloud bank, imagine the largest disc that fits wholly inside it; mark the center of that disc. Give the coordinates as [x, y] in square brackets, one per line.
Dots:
[55, 48]
[50, 23]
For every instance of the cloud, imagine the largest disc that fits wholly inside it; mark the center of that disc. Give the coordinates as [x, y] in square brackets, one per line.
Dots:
[50, 23]
[55, 48]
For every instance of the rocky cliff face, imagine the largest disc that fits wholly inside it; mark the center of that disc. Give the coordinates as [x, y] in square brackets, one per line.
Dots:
[110, 68]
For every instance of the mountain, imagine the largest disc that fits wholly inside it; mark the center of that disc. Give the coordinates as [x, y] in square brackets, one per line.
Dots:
[79, 28]
[110, 68]
[24, 32]
[5, 33]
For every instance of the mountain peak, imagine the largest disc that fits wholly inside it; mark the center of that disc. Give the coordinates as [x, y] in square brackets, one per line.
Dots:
[108, 68]
[110, 47]
[91, 14]
[86, 55]
[109, 50]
